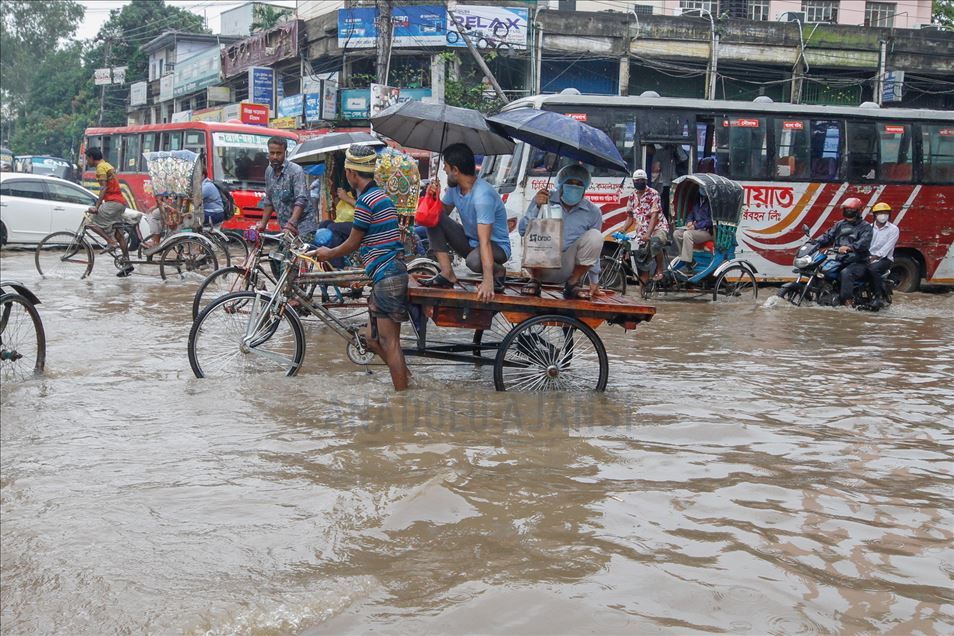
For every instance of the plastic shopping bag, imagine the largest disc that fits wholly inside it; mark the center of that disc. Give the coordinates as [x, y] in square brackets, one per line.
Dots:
[428, 211]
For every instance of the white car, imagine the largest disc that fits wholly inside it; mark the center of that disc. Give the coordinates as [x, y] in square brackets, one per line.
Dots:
[32, 206]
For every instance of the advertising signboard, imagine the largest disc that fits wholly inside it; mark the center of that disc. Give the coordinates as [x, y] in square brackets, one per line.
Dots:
[166, 85]
[414, 26]
[383, 97]
[312, 107]
[355, 103]
[137, 93]
[329, 99]
[261, 86]
[291, 106]
[489, 27]
[266, 47]
[181, 116]
[256, 114]
[218, 94]
[284, 122]
[197, 72]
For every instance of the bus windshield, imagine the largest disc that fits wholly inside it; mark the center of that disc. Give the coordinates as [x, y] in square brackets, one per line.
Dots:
[241, 158]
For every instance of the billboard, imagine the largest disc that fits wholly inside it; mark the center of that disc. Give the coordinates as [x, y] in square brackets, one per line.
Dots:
[488, 27]
[291, 106]
[256, 114]
[166, 85]
[414, 26]
[261, 86]
[383, 97]
[266, 47]
[197, 72]
[329, 99]
[355, 103]
[138, 93]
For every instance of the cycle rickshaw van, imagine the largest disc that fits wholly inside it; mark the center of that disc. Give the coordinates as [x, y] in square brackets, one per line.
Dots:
[718, 268]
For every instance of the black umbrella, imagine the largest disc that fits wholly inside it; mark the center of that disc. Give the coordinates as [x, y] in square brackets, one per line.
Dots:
[311, 150]
[436, 126]
[559, 134]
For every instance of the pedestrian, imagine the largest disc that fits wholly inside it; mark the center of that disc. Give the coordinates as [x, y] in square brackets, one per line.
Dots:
[376, 234]
[884, 236]
[107, 212]
[481, 238]
[286, 193]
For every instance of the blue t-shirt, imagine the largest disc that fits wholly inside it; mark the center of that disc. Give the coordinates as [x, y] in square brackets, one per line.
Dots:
[211, 198]
[482, 205]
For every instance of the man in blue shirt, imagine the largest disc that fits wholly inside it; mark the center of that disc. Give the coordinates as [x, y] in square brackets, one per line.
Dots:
[212, 204]
[286, 193]
[698, 229]
[481, 238]
[582, 238]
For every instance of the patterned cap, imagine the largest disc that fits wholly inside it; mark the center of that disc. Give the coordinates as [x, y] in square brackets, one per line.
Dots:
[360, 158]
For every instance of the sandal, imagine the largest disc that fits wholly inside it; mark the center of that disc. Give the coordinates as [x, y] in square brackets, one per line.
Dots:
[532, 288]
[573, 291]
[438, 281]
[500, 285]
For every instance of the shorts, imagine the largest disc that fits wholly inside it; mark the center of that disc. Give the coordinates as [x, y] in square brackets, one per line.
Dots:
[389, 295]
[110, 213]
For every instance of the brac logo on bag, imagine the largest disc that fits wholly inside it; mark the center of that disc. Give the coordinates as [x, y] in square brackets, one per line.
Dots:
[538, 238]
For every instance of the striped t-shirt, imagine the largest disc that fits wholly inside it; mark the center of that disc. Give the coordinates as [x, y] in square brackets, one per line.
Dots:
[375, 214]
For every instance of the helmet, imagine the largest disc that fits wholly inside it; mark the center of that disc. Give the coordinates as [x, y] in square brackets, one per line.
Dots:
[640, 174]
[853, 203]
[881, 207]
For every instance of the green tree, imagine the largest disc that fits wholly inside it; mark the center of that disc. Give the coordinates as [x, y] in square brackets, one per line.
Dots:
[30, 32]
[266, 17]
[120, 41]
[943, 13]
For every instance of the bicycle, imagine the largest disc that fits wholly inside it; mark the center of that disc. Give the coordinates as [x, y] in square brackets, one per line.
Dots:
[69, 254]
[22, 337]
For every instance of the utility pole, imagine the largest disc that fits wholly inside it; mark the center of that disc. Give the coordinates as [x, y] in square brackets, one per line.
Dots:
[480, 61]
[102, 92]
[384, 39]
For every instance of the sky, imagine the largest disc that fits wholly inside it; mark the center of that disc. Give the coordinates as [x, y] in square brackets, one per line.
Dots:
[97, 12]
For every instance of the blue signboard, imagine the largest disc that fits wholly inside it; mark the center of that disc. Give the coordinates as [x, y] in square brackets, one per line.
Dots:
[312, 107]
[261, 86]
[291, 106]
[413, 95]
[414, 26]
[355, 103]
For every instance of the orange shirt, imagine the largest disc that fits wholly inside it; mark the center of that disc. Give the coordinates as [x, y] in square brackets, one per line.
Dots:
[105, 172]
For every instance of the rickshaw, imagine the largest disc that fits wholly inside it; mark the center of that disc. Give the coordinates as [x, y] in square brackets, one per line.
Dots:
[718, 271]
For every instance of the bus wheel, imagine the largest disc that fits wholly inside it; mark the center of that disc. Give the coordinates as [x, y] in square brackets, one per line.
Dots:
[906, 274]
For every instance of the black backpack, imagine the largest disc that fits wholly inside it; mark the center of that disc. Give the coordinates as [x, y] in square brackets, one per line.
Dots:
[228, 203]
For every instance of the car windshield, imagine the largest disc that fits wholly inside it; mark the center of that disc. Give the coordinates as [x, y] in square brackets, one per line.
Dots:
[50, 166]
[241, 158]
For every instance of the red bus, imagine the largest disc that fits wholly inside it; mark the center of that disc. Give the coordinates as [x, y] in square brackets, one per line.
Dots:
[797, 163]
[237, 154]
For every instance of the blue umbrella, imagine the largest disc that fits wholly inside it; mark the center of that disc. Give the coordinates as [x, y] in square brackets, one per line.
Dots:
[559, 134]
[316, 170]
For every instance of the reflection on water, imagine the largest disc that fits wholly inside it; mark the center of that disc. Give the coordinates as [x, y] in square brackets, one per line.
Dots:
[750, 470]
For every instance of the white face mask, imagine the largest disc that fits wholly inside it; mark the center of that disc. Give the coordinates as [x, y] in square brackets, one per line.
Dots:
[881, 218]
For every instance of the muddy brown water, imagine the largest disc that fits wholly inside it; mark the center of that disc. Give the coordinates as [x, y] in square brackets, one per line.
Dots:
[750, 470]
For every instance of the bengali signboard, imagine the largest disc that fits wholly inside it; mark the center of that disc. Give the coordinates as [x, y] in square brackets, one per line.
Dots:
[329, 99]
[414, 95]
[383, 97]
[261, 86]
[197, 72]
[181, 116]
[288, 123]
[355, 103]
[102, 76]
[218, 94]
[166, 86]
[312, 107]
[414, 26]
[256, 114]
[262, 49]
[138, 93]
[488, 27]
[291, 106]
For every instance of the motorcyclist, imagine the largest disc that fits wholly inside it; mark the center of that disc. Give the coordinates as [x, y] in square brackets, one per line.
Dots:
[852, 239]
[883, 239]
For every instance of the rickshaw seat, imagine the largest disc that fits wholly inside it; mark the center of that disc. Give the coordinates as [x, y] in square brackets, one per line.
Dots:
[709, 246]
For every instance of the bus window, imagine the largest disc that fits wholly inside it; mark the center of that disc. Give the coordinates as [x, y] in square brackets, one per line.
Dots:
[792, 149]
[896, 163]
[195, 141]
[131, 153]
[937, 153]
[509, 178]
[826, 149]
[742, 148]
[862, 151]
[543, 164]
[171, 140]
[111, 146]
[149, 142]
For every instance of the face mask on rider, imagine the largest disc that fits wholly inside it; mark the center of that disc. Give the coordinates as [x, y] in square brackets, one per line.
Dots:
[571, 194]
[881, 218]
[640, 185]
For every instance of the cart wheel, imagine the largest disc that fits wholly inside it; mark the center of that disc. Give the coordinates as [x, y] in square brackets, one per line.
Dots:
[358, 351]
[551, 353]
[241, 334]
[736, 284]
[22, 339]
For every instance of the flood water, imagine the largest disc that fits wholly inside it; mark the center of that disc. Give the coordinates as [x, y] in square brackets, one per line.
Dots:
[750, 470]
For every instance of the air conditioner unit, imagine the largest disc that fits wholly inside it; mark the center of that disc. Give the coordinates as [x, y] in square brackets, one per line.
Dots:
[792, 16]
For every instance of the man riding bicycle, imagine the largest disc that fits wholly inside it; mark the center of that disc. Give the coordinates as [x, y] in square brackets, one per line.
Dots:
[107, 212]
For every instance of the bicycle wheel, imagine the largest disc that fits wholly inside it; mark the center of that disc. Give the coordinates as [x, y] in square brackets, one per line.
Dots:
[242, 334]
[187, 258]
[225, 281]
[612, 275]
[736, 284]
[238, 246]
[220, 246]
[22, 339]
[551, 353]
[64, 255]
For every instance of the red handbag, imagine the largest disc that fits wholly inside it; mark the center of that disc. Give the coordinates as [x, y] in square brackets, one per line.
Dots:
[428, 211]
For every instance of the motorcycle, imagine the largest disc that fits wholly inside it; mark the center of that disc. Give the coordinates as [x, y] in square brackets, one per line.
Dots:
[819, 280]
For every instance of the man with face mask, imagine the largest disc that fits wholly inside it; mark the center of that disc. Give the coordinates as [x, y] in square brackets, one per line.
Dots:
[582, 238]
[652, 228]
[481, 237]
[884, 236]
[286, 193]
[852, 238]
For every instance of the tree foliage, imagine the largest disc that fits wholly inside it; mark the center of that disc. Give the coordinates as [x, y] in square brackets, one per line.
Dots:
[265, 17]
[943, 13]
